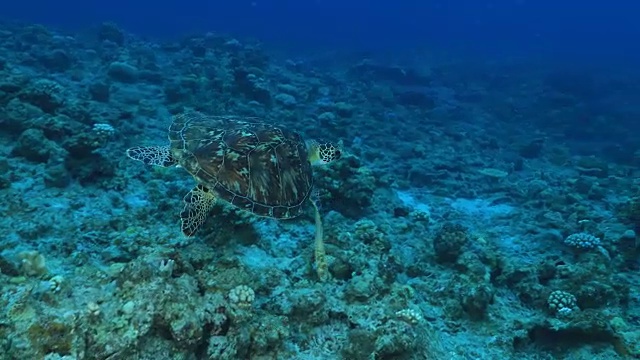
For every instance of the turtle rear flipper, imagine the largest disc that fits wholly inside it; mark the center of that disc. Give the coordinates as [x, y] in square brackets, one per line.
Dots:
[152, 155]
[197, 205]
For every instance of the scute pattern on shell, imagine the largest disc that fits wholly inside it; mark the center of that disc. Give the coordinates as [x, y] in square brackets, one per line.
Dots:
[255, 166]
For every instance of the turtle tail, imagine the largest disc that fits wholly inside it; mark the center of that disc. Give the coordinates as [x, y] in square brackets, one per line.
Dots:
[152, 155]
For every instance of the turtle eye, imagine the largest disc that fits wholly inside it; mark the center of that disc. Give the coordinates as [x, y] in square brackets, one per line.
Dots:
[337, 154]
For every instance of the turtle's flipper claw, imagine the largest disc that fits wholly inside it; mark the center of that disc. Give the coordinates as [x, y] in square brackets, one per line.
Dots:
[197, 205]
[152, 155]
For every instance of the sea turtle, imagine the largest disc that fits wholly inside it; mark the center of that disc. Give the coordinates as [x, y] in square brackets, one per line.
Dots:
[256, 166]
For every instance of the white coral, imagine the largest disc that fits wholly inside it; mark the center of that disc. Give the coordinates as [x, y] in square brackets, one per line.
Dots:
[562, 303]
[242, 296]
[409, 316]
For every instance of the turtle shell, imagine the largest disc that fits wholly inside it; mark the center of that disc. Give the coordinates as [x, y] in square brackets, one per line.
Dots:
[253, 165]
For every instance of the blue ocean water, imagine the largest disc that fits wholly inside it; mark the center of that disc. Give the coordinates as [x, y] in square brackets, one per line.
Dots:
[592, 28]
[319, 179]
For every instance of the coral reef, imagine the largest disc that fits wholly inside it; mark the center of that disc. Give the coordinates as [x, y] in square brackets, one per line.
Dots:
[451, 220]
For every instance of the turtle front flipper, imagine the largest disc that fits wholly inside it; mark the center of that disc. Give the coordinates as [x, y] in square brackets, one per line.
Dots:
[197, 205]
[152, 155]
[320, 255]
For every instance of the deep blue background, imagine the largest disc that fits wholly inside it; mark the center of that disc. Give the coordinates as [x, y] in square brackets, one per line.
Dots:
[577, 30]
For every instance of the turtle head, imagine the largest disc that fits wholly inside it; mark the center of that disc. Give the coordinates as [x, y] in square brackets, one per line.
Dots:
[323, 153]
